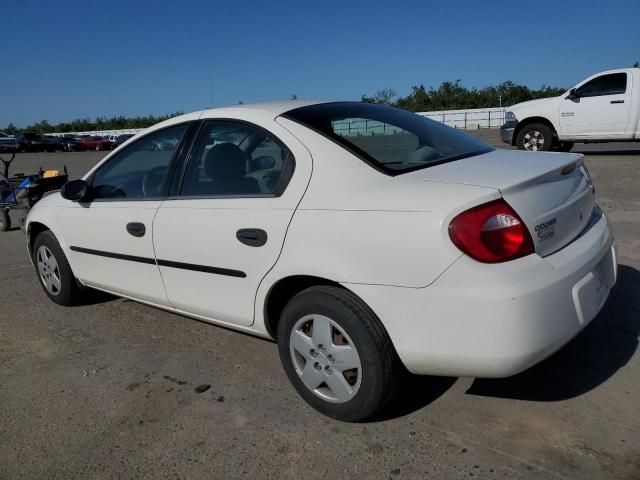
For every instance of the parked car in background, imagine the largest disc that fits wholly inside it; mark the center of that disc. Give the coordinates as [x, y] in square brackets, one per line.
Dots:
[360, 255]
[8, 143]
[94, 142]
[120, 139]
[33, 142]
[71, 143]
[603, 108]
[54, 142]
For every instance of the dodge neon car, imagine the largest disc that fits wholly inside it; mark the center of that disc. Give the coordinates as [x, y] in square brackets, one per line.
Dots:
[362, 238]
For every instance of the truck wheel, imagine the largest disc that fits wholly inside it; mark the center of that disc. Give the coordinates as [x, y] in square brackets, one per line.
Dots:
[5, 221]
[337, 354]
[563, 146]
[535, 137]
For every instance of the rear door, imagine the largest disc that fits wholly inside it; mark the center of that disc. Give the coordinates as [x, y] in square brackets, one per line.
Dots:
[109, 238]
[217, 238]
[600, 109]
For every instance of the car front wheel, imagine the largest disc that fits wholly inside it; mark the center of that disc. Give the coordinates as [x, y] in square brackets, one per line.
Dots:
[54, 273]
[337, 354]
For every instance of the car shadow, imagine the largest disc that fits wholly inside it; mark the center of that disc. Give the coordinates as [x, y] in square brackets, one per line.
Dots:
[94, 297]
[607, 152]
[414, 392]
[595, 355]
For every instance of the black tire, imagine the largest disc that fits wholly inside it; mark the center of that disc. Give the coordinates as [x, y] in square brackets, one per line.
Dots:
[5, 221]
[563, 146]
[381, 368]
[535, 137]
[70, 292]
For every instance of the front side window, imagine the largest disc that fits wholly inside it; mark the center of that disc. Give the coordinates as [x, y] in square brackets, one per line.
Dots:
[236, 159]
[611, 84]
[140, 170]
[391, 140]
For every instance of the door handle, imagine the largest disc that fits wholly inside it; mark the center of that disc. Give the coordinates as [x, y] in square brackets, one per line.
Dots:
[616, 101]
[136, 229]
[254, 237]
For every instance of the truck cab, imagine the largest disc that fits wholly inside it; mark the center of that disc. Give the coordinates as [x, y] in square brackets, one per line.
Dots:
[604, 107]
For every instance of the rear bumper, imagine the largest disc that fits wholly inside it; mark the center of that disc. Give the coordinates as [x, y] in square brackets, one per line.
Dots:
[481, 320]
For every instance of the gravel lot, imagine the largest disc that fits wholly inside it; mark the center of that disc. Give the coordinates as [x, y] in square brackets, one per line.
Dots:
[107, 390]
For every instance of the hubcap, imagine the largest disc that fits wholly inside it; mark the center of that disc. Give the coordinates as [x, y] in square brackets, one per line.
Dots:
[325, 358]
[49, 270]
[533, 140]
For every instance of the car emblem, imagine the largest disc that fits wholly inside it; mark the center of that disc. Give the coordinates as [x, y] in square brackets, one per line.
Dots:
[545, 230]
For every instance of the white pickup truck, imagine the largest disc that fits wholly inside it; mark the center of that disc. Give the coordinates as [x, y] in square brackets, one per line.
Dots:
[602, 108]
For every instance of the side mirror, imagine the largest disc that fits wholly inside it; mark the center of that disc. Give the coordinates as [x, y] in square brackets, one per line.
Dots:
[264, 162]
[573, 93]
[75, 190]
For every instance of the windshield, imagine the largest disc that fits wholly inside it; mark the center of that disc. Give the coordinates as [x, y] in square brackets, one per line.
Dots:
[389, 139]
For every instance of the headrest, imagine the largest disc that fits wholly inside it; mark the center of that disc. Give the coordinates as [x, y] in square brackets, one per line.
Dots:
[225, 162]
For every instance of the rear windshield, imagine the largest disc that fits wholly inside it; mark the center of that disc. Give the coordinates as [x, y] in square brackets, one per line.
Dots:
[389, 139]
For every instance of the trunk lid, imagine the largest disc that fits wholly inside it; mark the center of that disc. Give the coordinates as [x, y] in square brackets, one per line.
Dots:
[551, 192]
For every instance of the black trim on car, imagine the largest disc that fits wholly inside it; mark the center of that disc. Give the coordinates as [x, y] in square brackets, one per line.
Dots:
[202, 268]
[117, 256]
[162, 263]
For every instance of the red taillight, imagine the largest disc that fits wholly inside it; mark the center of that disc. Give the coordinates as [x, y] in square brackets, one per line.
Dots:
[491, 233]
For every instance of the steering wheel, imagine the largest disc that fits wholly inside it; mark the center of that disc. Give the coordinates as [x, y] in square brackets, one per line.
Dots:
[152, 181]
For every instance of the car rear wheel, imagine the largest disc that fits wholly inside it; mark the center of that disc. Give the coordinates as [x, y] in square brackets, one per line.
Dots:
[337, 354]
[54, 273]
[535, 137]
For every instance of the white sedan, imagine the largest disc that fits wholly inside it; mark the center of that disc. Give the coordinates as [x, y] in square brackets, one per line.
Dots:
[364, 239]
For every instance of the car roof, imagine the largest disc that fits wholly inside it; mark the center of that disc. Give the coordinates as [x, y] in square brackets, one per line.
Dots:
[276, 108]
[270, 109]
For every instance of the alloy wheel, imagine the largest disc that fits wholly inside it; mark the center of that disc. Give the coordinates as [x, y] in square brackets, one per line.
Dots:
[533, 140]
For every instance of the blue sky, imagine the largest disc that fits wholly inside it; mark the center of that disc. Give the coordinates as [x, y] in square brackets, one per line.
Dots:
[63, 60]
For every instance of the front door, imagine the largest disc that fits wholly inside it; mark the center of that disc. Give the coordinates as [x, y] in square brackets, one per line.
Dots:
[600, 109]
[217, 239]
[109, 238]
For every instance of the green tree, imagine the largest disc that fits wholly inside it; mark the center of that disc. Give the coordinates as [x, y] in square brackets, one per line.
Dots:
[384, 97]
[453, 95]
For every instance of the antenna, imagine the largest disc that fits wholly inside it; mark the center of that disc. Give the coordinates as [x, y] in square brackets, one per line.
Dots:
[210, 90]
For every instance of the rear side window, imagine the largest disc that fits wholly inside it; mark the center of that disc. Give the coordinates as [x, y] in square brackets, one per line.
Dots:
[611, 84]
[391, 140]
[237, 159]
